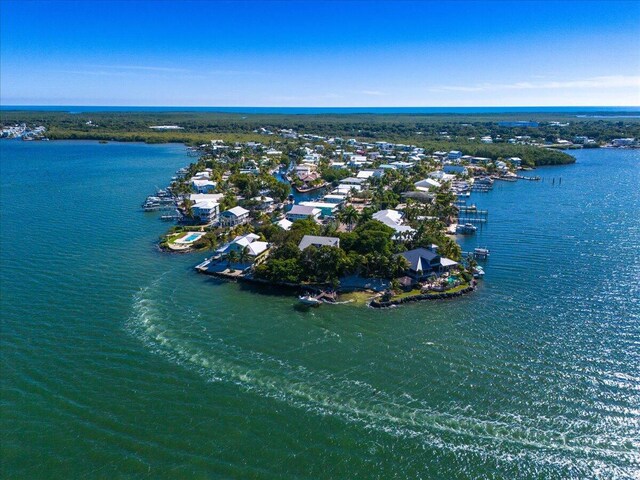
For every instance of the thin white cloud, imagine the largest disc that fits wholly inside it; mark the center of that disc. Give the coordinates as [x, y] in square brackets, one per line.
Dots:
[234, 72]
[611, 81]
[373, 93]
[146, 68]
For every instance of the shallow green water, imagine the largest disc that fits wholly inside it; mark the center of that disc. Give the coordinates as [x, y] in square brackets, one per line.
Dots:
[119, 361]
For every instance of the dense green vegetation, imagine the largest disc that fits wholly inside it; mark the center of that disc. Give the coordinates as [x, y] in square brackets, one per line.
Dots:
[433, 131]
[368, 250]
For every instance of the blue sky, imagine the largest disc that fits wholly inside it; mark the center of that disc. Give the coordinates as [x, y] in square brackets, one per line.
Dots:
[331, 53]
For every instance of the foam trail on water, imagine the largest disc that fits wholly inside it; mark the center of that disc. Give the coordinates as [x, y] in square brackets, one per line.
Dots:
[505, 440]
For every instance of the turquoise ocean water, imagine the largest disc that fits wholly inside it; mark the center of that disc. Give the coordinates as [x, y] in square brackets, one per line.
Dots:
[119, 361]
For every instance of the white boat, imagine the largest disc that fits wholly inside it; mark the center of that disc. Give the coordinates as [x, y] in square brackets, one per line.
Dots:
[309, 300]
[466, 229]
[478, 272]
[481, 252]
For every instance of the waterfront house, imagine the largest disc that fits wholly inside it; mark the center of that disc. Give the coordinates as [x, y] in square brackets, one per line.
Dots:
[206, 211]
[515, 161]
[251, 242]
[301, 212]
[326, 209]
[263, 202]
[427, 184]
[203, 185]
[346, 189]
[318, 241]
[304, 169]
[623, 142]
[234, 216]
[333, 198]
[424, 262]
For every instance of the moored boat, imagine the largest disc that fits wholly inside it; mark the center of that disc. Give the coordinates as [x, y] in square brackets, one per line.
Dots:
[309, 300]
[466, 229]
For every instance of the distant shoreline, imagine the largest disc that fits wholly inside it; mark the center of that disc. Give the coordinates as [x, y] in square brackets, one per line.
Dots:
[634, 110]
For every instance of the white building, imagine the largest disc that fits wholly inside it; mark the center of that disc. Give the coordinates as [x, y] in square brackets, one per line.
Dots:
[427, 184]
[393, 219]
[203, 185]
[250, 243]
[206, 211]
[316, 241]
[234, 216]
[284, 224]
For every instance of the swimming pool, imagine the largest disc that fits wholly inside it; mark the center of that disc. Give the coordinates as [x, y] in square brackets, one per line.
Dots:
[192, 238]
[189, 238]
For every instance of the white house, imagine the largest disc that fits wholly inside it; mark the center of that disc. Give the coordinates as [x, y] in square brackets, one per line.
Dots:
[197, 197]
[326, 208]
[346, 189]
[234, 216]
[393, 219]
[317, 241]
[263, 202]
[332, 198]
[206, 211]
[402, 165]
[352, 181]
[427, 184]
[250, 243]
[203, 185]
[440, 175]
[367, 174]
[284, 224]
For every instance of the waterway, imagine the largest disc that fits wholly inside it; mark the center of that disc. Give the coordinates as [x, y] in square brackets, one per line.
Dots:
[119, 361]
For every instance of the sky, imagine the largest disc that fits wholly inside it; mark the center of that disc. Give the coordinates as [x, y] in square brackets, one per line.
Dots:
[320, 53]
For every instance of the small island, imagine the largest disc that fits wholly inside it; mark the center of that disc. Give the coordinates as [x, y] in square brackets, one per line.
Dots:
[323, 216]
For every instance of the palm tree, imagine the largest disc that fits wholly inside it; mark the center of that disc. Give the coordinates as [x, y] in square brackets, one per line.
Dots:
[232, 257]
[244, 256]
[349, 216]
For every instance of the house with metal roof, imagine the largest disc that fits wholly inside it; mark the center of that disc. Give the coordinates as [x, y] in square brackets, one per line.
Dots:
[302, 212]
[318, 241]
[234, 216]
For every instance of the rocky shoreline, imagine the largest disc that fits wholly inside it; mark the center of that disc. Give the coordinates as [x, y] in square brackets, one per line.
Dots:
[424, 296]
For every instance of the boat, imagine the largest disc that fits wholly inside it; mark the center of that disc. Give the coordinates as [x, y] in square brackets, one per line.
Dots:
[478, 272]
[466, 229]
[481, 252]
[309, 300]
[149, 206]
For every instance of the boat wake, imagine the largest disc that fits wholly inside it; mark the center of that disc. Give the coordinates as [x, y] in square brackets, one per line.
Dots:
[504, 438]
